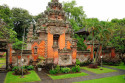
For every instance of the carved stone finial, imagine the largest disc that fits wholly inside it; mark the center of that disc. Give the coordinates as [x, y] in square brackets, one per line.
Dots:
[54, 0]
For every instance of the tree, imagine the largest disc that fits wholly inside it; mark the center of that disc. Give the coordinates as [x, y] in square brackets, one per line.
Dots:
[6, 24]
[100, 31]
[21, 20]
[6, 33]
[80, 44]
[118, 39]
[74, 14]
[6, 15]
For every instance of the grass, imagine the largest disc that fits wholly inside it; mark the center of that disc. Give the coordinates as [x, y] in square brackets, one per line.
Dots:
[54, 77]
[1, 65]
[97, 70]
[16, 79]
[2, 60]
[121, 66]
[114, 79]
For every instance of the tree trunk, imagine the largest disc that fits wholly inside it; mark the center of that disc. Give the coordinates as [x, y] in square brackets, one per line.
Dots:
[97, 54]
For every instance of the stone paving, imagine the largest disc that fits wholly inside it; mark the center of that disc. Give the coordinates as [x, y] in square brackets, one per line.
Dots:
[2, 77]
[46, 79]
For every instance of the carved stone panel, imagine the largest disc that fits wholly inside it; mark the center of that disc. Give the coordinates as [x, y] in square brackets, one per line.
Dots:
[65, 60]
[56, 30]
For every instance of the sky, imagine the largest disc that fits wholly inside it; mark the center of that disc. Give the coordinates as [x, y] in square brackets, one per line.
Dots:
[102, 9]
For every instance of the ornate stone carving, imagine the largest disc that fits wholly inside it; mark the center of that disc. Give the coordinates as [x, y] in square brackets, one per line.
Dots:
[56, 30]
[54, 0]
[65, 60]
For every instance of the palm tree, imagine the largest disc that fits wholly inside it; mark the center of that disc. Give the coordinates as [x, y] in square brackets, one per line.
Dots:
[104, 33]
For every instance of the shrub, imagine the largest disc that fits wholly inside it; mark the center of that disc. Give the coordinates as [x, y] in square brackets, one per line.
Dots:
[77, 62]
[108, 60]
[29, 67]
[53, 71]
[65, 70]
[57, 68]
[86, 63]
[93, 66]
[19, 71]
[76, 68]
[15, 68]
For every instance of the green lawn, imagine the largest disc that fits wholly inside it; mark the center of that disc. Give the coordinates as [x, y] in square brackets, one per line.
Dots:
[98, 71]
[121, 66]
[114, 79]
[2, 60]
[16, 79]
[1, 65]
[54, 77]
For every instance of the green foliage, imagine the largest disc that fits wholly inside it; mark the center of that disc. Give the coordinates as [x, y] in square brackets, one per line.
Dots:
[19, 71]
[74, 14]
[76, 68]
[6, 15]
[77, 62]
[17, 44]
[6, 24]
[6, 32]
[22, 20]
[15, 68]
[48, 9]
[65, 70]
[86, 63]
[53, 71]
[37, 17]
[108, 60]
[57, 68]
[80, 44]
[29, 67]
[118, 39]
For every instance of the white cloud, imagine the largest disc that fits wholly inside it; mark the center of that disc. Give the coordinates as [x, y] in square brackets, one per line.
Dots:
[101, 9]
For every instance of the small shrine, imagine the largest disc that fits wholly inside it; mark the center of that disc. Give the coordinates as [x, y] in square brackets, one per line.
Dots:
[52, 37]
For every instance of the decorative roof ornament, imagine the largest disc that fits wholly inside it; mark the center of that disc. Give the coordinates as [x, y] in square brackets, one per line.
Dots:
[55, 0]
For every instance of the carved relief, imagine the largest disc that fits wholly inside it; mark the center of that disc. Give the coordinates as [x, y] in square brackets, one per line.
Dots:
[42, 48]
[65, 60]
[56, 30]
[55, 0]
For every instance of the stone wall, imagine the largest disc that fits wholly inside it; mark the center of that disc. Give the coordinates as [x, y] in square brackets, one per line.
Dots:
[83, 56]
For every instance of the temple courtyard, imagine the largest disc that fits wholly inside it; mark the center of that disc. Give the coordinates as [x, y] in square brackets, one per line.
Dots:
[60, 45]
[114, 75]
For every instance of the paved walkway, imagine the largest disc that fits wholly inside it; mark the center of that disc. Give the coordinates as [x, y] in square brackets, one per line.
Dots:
[47, 79]
[2, 77]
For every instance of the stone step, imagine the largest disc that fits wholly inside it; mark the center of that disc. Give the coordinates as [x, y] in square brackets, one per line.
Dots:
[3, 70]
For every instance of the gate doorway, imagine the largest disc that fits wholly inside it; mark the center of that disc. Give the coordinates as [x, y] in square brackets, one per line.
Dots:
[3, 59]
[3, 55]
